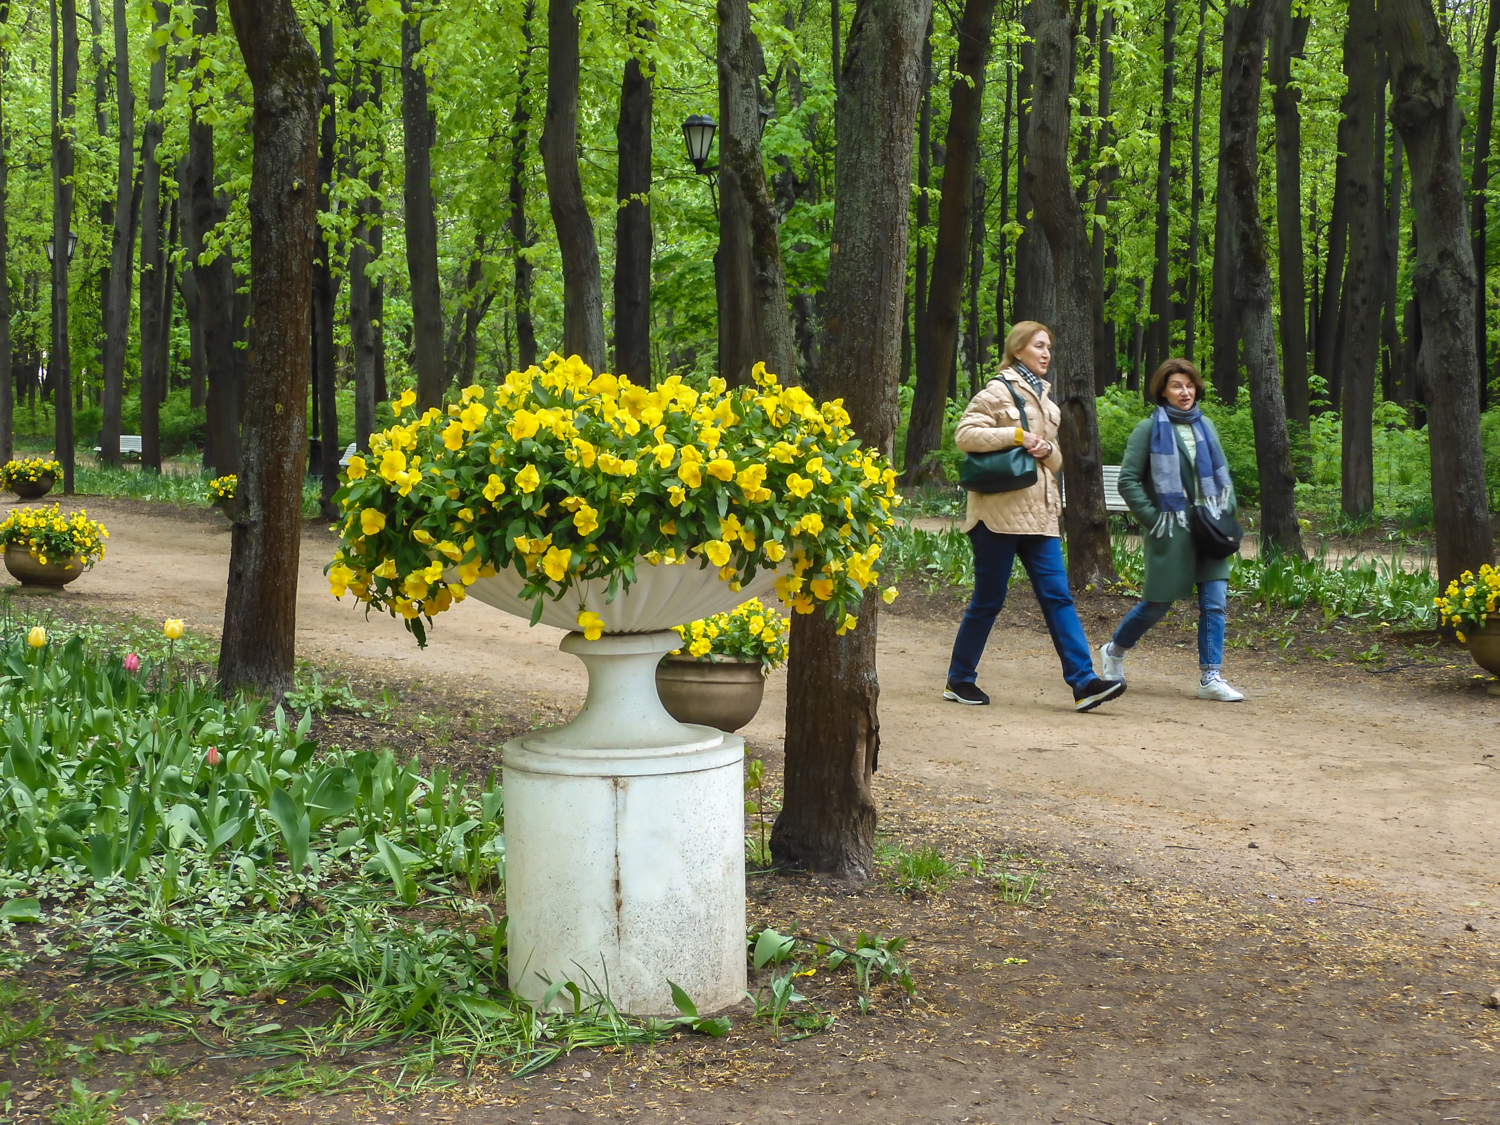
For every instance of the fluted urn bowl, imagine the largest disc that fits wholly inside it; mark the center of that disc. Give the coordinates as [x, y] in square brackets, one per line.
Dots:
[663, 595]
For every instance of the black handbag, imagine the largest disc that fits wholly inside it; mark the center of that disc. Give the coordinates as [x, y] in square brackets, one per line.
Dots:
[1000, 470]
[1217, 537]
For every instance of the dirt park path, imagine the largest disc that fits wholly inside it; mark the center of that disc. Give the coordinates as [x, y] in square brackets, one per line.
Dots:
[1344, 778]
[1281, 911]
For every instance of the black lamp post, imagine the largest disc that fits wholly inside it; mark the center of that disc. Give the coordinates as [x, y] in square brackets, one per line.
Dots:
[72, 245]
[698, 134]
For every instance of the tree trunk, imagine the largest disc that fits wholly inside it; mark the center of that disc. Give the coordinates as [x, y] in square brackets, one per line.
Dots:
[975, 337]
[1482, 127]
[1288, 39]
[1226, 362]
[955, 214]
[187, 284]
[827, 820]
[1194, 276]
[153, 260]
[1105, 362]
[583, 294]
[1365, 282]
[1159, 337]
[364, 89]
[520, 235]
[1425, 108]
[64, 97]
[754, 322]
[921, 327]
[1252, 277]
[260, 612]
[633, 220]
[116, 310]
[7, 370]
[1033, 298]
[1002, 244]
[1326, 352]
[325, 287]
[1395, 353]
[1072, 371]
[418, 127]
[204, 207]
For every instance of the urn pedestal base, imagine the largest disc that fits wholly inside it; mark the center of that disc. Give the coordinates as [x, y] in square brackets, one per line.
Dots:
[625, 850]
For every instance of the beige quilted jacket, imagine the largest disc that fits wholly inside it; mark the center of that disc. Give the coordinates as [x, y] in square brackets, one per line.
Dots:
[990, 423]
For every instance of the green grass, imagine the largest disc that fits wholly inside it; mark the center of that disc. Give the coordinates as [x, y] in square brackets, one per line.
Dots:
[189, 489]
[923, 870]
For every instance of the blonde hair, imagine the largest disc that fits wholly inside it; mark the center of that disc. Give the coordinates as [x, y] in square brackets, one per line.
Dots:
[1021, 334]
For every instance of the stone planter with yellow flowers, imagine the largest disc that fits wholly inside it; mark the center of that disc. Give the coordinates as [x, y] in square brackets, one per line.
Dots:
[718, 678]
[30, 478]
[44, 548]
[616, 512]
[1471, 605]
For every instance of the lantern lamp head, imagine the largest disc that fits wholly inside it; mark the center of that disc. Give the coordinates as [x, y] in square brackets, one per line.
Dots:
[698, 134]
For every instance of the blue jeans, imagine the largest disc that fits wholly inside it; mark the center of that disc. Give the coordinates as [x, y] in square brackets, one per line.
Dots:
[1041, 555]
[1212, 599]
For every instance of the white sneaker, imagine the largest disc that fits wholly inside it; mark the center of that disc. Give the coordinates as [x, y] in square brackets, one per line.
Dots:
[1111, 663]
[1212, 686]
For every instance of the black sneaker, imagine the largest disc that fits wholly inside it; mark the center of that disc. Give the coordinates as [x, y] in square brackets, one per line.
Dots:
[1095, 692]
[965, 693]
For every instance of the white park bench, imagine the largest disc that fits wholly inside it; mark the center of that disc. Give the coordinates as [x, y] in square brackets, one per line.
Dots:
[130, 446]
[1113, 501]
[348, 454]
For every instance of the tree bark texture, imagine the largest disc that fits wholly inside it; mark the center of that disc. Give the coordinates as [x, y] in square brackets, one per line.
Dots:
[1159, 336]
[1106, 363]
[827, 820]
[365, 90]
[325, 289]
[7, 375]
[260, 611]
[204, 207]
[1425, 108]
[1365, 283]
[419, 128]
[1390, 338]
[1481, 175]
[583, 293]
[1252, 278]
[633, 221]
[1326, 350]
[754, 322]
[1195, 275]
[64, 98]
[924, 433]
[520, 232]
[1226, 354]
[1072, 371]
[1288, 40]
[154, 295]
[1033, 298]
[921, 345]
[116, 311]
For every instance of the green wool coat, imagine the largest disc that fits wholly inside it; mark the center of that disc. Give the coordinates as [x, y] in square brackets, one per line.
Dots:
[1173, 565]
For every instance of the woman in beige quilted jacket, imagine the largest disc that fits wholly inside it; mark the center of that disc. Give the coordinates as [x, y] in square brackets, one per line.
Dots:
[1015, 409]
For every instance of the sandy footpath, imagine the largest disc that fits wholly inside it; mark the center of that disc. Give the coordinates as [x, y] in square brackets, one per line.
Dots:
[1355, 778]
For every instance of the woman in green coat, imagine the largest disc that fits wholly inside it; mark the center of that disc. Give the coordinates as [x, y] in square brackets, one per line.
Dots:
[1172, 461]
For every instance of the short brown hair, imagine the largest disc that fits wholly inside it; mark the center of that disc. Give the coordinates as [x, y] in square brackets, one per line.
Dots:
[1021, 334]
[1158, 385]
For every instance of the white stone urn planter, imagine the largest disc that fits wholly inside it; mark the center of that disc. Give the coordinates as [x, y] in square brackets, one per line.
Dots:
[625, 851]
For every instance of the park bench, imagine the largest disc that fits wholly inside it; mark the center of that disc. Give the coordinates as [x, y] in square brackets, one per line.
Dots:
[1113, 501]
[349, 453]
[130, 446]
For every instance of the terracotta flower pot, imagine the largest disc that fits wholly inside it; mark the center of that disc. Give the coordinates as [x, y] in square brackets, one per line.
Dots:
[31, 571]
[723, 692]
[1484, 647]
[33, 489]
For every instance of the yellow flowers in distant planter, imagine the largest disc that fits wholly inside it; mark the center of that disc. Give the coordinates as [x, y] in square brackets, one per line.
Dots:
[52, 537]
[1471, 599]
[750, 631]
[222, 488]
[29, 469]
[563, 475]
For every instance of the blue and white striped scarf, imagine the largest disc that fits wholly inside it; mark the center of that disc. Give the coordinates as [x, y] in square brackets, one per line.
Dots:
[1214, 488]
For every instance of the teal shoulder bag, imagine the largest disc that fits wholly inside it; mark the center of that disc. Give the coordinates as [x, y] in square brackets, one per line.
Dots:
[1000, 470]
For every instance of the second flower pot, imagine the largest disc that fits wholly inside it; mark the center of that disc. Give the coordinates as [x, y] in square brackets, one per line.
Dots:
[720, 692]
